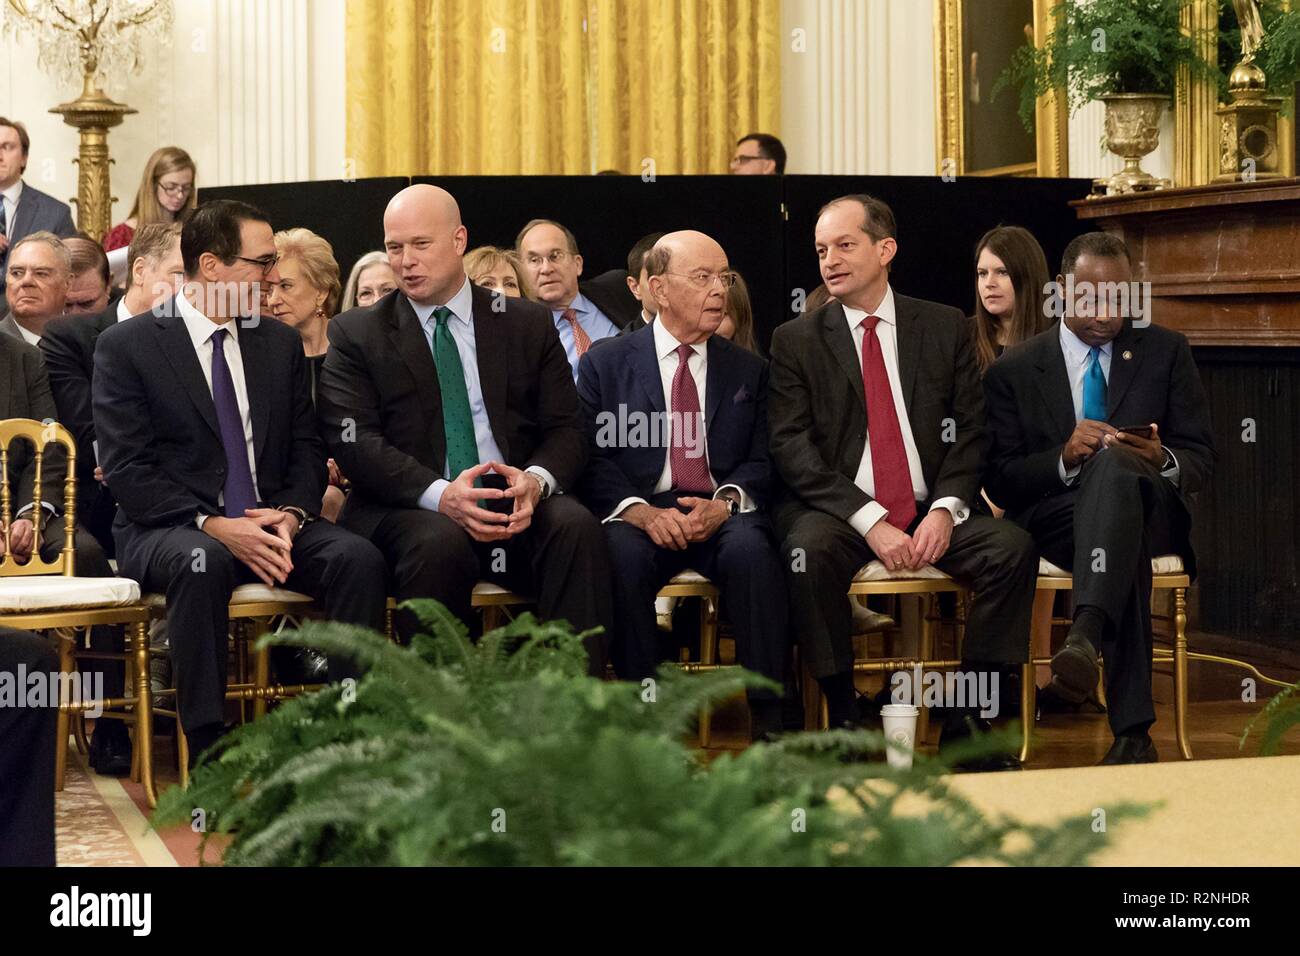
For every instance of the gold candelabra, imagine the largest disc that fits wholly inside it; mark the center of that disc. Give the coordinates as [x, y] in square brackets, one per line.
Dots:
[83, 37]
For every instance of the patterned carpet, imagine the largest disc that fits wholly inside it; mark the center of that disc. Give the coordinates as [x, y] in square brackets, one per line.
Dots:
[98, 824]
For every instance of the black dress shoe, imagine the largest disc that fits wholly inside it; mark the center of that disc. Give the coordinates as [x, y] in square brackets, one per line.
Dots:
[1130, 749]
[110, 749]
[1056, 698]
[1074, 667]
[299, 665]
[963, 725]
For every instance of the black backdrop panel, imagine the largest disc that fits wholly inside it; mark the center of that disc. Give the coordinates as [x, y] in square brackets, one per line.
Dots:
[349, 215]
[608, 214]
[938, 225]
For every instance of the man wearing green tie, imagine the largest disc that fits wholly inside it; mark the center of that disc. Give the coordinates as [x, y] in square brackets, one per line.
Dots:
[1100, 432]
[454, 415]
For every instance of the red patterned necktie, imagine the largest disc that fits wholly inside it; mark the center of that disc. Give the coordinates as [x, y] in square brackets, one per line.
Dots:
[893, 479]
[581, 340]
[689, 461]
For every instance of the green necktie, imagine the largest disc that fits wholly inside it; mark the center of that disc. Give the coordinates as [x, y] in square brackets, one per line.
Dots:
[457, 422]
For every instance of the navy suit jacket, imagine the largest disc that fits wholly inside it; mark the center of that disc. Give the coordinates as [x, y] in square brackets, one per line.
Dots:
[625, 372]
[159, 440]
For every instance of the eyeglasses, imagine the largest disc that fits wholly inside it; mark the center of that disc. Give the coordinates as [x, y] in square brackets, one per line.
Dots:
[738, 160]
[702, 280]
[555, 257]
[267, 263]
[176, 189]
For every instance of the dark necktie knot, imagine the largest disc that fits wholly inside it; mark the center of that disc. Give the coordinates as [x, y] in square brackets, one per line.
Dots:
[442, 315]
[219, 338]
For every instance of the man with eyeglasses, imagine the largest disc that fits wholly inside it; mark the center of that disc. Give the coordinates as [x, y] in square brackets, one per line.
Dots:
[550, 256]
[23, 209]
[758, 154]
[679, 472]
[208, 439]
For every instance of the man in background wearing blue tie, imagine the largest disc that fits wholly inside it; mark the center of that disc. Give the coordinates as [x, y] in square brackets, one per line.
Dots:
[1100, 436]
[550, 256]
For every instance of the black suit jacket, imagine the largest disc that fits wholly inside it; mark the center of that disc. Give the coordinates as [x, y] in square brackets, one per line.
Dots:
[609, 293]
[159, 440]
[624, 375]
[381, 411]
[1031, 411]
[819, 416]
[25, 393]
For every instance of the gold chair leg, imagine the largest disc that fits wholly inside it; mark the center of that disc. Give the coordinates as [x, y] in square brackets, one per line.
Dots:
[708, 655]
[143, 711]
[61, 726]
[1028, 707]
[241, 675]
[261, 673]
[182, 753]
[925, 653]
[1180, 672]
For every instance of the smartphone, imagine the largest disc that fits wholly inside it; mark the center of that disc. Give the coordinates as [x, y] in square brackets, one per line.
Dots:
[1141, 431]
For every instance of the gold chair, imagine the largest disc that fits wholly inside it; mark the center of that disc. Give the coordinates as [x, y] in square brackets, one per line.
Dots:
[492, 600]
[693, 584]
[48, 596]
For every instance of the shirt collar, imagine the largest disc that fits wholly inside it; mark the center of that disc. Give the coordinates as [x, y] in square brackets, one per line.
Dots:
[13, 192]
[666, 344]
[30, 337]
[199, 326]
[1077, 350]
[885, 311]
[461, 305]
[123, 312]
[580, 304]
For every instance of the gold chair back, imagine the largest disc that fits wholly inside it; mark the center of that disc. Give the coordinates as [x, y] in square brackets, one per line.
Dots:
[38, 435]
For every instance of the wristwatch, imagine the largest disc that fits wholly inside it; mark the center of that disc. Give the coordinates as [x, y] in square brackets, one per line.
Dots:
[733, 505]
[302, 516]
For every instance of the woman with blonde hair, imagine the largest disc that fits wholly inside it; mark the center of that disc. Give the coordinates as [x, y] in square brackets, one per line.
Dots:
[306, 298]
[167, 193]
[497, 269]
[738, 317]
[369, 281]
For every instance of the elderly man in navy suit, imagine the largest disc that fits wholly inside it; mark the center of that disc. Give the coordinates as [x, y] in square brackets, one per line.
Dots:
[679, 470]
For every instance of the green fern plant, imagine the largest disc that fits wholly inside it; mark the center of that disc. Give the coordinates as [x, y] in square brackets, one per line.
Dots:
[1280, 714]
[504, 752]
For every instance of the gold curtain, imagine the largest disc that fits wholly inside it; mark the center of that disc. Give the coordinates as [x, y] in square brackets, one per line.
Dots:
[557, 86]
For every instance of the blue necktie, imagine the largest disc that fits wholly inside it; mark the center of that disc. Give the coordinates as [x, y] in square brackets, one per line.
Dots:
[239, 491]
[1094, 388]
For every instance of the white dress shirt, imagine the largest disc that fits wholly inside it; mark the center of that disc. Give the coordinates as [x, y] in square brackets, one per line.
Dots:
[461, 325]
[865, 518]
[30, 337]
[666, 347]
[10, 199]
[123, 313]
[1077, 352]
[200, 329]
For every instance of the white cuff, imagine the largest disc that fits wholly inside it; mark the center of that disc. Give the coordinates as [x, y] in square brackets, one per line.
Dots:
[432, 496]
[1067, 477]
[746, 503]
[955, 506]
[1174, 471]
[865, 518]
[551, 486]
[623, 506]
[199, 519]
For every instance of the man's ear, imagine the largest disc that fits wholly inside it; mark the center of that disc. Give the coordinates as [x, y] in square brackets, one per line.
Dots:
[656, 284]
[634, 287]
[578, 261]
[888, 248]
[208, 267]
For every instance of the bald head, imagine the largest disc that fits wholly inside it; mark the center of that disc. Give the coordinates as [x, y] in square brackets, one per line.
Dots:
[425, 240]
[688, 275]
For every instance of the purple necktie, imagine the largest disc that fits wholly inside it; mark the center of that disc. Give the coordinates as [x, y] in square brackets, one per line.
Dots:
[239, 491]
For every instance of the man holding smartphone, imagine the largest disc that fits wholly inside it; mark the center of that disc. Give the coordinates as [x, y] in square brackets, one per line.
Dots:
[1100, 434]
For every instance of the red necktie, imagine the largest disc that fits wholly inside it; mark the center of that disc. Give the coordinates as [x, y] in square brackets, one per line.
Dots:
[893, 478]
[689, 460]
[581, 340]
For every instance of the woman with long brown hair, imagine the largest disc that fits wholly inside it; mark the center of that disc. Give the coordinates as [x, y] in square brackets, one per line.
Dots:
[167, 193]
[1011, 289]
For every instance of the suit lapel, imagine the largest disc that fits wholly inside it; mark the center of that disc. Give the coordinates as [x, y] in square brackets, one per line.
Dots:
[257, 380]
[492, 368]
[174, 340]
[909, 333]
[408, 341]
[645, 364]
[717, 383]
[840, 341]
[25, 214]
[1054, 384]
[1123, 370]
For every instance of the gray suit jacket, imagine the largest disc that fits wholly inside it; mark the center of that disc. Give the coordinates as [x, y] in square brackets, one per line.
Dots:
[36, 211]
[9, 326]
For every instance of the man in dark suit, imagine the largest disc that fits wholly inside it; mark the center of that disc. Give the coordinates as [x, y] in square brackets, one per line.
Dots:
[208, 440]
[553, 264]
[1101, 500]
[155, 274]
[90, 287]
[458, 425]
[611, 292]
[877, 430]
[39, 270]
[679, 470]
[23, 209]
[27, 750]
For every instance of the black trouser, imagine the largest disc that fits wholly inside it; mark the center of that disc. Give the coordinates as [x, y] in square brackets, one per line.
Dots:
[741, 558]
[342, 571]
[27, 750]
[560, 560]
[821, 555]
[1105, 531]
[89, 562]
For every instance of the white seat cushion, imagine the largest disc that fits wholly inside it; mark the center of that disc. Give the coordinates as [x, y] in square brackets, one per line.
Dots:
[1165, 564]
[689, 577]
[488, 589]
[876, 571]
[20, 595]
[247, 594]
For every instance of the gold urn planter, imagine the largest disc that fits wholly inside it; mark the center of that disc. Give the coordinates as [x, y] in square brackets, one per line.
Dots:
[1132, 132]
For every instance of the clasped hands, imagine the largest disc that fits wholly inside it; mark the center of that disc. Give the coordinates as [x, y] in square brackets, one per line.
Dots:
[18, 540]
[677, 530]
[460, 502]
[262, 539]
[1090, 437]
[898, 550]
